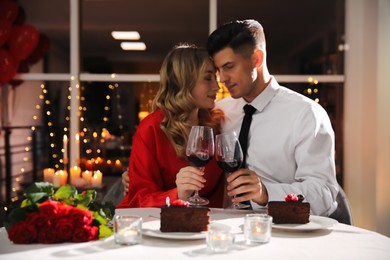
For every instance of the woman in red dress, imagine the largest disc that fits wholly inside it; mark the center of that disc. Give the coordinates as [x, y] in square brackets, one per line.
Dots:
[158, 166]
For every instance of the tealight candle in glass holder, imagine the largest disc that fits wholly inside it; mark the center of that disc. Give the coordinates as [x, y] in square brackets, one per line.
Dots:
[219, 240]
[257, 228]
[128, 230]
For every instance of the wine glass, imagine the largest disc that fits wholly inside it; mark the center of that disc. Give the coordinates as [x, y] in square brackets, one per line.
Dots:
[229, 157]
[199, 151]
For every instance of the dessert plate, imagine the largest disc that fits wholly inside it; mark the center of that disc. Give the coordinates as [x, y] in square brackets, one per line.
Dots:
[315, 223]
[152, 229]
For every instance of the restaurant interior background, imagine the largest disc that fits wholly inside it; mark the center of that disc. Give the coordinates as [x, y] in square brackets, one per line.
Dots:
[308, 51]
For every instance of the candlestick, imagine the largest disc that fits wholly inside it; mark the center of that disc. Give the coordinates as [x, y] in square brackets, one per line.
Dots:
[65, 141]
[77, 137]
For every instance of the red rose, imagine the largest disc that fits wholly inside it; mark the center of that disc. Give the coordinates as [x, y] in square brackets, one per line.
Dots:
[80, 217]
[47, 235]
[63, 209]
[49, 208]
[62, 212]
[64, 229]
[22, 233]
[38, 219]
[86, 233]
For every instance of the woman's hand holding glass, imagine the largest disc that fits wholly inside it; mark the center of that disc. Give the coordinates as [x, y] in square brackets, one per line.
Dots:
[188, 179]
[199, 151]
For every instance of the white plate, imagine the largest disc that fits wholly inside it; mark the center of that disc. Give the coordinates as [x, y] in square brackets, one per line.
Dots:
[152, 229]
[315, 223]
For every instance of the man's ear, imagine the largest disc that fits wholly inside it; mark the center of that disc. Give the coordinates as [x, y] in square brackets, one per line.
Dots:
[258, 56]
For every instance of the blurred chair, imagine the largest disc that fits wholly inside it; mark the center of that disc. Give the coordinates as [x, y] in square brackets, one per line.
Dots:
[343, 212]
[115, 193]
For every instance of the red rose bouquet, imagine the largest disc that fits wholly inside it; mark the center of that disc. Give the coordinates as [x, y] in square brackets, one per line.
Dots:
[48, 216]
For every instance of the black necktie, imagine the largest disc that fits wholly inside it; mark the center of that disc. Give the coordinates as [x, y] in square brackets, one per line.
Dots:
[243, 138]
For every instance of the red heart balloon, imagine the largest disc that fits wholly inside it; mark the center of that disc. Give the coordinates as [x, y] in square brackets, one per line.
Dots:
[22, 41]
[8, 10]
[8, 66]
[41, 49]
[5, 31]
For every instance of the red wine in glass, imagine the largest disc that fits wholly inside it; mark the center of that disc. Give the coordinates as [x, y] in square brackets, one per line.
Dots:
[229, 157]
[231, 166]
[199, 151]
[199, 159]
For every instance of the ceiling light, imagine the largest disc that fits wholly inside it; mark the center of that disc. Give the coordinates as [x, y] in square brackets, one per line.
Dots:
[125, 35]
[133, 46]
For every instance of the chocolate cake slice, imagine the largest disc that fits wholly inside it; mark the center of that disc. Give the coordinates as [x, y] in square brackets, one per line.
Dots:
[184, 219]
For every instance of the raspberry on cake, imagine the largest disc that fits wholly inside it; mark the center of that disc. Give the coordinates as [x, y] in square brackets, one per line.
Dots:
[291, 211]
[178, 216]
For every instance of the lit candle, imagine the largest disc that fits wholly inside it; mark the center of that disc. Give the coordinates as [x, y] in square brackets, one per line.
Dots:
[257, 228]
[118, 164]
[89, 165]
[98, 162]
[219, 240]
[127, 229]
[77, 137]
[75, 172]
[63, 177]
[87, 175]
[48, 174]
[57, 179]
[94, 152]
[128, 236]
[96, 180]
[65, 140]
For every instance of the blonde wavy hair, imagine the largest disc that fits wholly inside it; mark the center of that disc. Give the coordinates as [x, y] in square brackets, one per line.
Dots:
[180, 71]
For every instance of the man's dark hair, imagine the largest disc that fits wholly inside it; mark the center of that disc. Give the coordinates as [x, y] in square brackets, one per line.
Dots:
[242, 36]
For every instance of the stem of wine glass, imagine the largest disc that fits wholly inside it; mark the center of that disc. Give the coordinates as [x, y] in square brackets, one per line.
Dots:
[196, 193]
[236, 205]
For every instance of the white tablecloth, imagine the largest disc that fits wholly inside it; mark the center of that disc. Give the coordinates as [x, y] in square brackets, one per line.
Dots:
[339, 242]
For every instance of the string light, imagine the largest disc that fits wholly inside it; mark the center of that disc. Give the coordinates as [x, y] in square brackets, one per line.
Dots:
[29, 139]
[315, 92]
[48, 115]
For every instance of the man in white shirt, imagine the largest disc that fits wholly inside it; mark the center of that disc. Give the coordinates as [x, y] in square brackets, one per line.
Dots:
[291, 140]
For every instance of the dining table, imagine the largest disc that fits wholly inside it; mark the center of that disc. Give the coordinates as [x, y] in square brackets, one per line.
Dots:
[321, 238]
